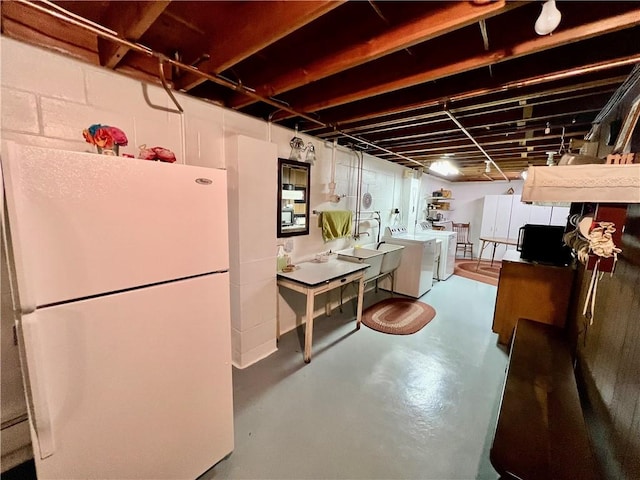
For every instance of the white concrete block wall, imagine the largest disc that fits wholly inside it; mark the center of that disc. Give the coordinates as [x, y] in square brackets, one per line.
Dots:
[21, 110]
[52, 105]
[47, 100]
[252, 171]
[38, 71]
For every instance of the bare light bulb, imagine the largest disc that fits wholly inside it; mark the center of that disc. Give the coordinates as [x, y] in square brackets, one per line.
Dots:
[547, 130]
[550, 161]
[549, 18]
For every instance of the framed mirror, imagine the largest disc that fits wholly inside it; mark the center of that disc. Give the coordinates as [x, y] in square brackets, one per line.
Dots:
[293, 197]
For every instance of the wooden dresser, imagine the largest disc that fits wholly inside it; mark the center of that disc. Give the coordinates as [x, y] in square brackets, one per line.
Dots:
[530, 290]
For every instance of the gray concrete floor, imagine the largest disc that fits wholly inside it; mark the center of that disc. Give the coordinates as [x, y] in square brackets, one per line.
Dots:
[371, 405]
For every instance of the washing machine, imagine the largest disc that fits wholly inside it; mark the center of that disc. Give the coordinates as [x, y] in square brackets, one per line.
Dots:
[414, 276]
[447, 259]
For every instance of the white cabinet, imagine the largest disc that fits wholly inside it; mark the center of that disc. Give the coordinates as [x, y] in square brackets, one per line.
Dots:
[503, 215]
[496, 221]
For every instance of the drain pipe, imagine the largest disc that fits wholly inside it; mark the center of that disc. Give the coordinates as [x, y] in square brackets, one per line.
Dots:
[466, 132]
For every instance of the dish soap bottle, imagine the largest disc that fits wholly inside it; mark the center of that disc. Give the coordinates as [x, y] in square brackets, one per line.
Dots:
[282, 258]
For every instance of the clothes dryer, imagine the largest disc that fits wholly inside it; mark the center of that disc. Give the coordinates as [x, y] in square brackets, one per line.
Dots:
[447, 260]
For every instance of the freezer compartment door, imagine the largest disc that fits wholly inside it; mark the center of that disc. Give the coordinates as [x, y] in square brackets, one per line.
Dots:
[135, 385]
[84, 224]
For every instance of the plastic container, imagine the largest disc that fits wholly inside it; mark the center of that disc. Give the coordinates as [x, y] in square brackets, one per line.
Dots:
[281, 258]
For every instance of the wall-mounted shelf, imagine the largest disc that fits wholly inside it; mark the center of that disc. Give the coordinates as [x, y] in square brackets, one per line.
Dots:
[438, 203]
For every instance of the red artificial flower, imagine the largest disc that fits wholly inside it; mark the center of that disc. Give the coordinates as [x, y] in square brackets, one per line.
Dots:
[103, 138]
[88, 137]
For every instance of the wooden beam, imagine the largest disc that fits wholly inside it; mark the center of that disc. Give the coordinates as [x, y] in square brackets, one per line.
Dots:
[130, 20]
[431, 25]
[235, 42]
[38, 29]
[361, 116]
[534, 45]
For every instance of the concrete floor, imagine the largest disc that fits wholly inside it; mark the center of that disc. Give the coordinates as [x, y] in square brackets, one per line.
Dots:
[371, 405]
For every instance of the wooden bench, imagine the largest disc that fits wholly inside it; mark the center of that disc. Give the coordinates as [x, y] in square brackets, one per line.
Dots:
[541, 432]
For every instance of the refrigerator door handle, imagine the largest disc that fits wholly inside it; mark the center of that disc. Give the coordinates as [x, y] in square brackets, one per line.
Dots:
[37, 383]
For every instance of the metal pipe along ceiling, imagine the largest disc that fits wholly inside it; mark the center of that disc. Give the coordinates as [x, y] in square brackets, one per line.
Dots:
[108, 34]
[464, 130]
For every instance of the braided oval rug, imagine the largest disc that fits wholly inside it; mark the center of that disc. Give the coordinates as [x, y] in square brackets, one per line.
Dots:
[398, 316]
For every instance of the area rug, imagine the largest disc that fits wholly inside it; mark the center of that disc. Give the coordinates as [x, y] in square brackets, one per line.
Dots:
[486, 273]
[398, 316]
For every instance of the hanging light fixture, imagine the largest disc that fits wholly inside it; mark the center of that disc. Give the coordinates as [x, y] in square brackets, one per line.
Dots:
[549, 18]
[301, 152]
[310, 156]
[547, 129]
[297, 147]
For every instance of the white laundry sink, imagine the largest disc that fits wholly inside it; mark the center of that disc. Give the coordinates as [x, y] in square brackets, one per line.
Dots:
[392, 255]
[373, 258]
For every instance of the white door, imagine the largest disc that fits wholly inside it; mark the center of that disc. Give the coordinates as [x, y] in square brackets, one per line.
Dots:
[84, 224]
[520, 214]
[135, 385]
[503, 216]
[497, 207]
[489, 211]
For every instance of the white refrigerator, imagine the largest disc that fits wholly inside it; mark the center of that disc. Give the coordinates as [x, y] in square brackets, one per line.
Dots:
[122, 277]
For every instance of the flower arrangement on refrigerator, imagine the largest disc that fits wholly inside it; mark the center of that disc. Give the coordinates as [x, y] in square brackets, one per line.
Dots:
[105, 138]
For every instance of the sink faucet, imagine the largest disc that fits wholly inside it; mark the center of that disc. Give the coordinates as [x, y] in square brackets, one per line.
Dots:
[380, 243]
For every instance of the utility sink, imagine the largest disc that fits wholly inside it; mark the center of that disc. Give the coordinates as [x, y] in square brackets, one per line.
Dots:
[392, 255]
[373, 258]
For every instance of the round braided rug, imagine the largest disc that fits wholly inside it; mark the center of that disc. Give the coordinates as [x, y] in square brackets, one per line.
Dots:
[398, 316]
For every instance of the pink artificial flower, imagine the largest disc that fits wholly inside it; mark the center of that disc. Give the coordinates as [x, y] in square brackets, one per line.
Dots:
[164, 154]
[146, 153]
[118, 136]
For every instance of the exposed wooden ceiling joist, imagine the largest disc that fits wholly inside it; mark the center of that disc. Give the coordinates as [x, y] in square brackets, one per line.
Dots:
[130, 20]
[376, 74]
[443, 20]
[263, 25]
[368, 88]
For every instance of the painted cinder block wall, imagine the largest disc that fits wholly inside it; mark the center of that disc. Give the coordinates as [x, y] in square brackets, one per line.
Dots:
[47, 99]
